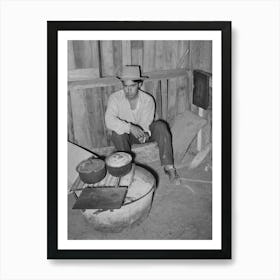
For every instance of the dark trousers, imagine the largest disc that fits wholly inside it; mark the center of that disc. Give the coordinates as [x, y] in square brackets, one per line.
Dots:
[159, 133]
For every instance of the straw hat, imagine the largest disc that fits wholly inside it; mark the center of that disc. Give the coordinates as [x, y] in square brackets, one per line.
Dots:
[131, 72]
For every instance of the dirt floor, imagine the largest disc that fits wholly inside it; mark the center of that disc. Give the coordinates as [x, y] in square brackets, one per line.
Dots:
[178, 212]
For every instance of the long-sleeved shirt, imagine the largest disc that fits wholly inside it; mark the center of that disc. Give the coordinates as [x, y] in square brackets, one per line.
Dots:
[119, 115]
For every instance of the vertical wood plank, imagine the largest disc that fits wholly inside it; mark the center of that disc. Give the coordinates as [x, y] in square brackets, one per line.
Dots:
[148, 87]
[157, 90]
[95, 111]
[117, 56]
[149, 50]
[80, 118]
[70, 119]
[172, 95]
[164, 98]
[201, 55]
[190, 90]
[183, 61]
[107, 58]
[71, 57]
[95, 57]
[159, 55]
[126, 53]
[183, 89]
[137, 53]
[83, 54]
[183, 54]
[71, 65]
[199, 134]
[170, 60]
[170, 54]
[182, 95]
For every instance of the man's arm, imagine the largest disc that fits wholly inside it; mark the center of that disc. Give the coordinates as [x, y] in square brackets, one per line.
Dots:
[147, 115]
[112, 120]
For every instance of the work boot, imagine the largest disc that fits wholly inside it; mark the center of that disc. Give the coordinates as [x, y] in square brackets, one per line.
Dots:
[173, 176]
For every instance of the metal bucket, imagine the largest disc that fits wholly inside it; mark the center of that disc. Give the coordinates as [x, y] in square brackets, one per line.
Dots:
[136, 207]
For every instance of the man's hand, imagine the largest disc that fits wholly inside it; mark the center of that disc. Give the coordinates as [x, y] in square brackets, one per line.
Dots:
[137, 131]
[145, 138]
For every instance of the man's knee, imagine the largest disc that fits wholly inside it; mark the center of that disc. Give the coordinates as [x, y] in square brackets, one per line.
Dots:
[119, 136]
[121, 141]
[159, 127]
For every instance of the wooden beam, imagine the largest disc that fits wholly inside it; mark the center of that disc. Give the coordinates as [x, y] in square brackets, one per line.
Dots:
[83, 74]
[98, 82]
[111, 81]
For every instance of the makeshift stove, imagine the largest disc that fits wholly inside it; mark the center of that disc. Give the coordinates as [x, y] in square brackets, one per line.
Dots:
[115, 203]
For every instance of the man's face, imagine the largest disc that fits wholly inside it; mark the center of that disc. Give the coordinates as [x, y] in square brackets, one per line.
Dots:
[130, 89]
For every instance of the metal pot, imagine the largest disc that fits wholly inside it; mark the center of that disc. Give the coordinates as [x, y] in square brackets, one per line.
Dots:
[91, 170]
[119, 164]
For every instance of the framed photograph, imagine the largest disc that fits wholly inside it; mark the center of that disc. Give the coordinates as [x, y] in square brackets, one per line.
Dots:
[139, 140]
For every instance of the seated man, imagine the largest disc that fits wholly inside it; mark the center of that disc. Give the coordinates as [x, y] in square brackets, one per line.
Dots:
[130, 114]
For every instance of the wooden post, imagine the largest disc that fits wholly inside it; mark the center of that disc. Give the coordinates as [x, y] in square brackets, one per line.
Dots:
[164, 100]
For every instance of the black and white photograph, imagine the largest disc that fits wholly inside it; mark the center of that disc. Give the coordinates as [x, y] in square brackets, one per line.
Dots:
[140, 139]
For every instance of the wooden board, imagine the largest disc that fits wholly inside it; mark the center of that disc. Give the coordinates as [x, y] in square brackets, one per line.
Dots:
[70, 119]
[80, 118]
[117, 56]
[159, 55]
[172, 96]
[126, 53]
[137, 53]
[182, 100]
[157, 92]
[95, 54]
[83, 74]
[201, 55]
[185, 128]
[164, 98]
[83, 54]
[95, 111]
[111, 81]
[71, 57]
[107, 58]
[149, 56]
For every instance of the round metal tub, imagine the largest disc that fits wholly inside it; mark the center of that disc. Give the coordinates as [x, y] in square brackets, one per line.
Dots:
[141, 185]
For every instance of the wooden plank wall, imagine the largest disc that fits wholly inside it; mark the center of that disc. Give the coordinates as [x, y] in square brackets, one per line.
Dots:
[86, 108]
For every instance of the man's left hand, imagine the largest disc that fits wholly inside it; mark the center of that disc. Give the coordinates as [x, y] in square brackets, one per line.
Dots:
[144, 138]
